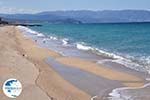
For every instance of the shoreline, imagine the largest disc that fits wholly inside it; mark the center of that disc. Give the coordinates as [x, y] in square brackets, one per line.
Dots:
[49, 82]
[70, 47]
[102, 71]
[51, 85]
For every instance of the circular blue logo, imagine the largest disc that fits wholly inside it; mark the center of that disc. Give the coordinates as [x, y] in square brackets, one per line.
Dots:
[12, 88]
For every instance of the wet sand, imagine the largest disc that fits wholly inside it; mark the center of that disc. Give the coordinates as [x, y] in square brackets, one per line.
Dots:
[111, 74]
[90, 83]
[46, 80]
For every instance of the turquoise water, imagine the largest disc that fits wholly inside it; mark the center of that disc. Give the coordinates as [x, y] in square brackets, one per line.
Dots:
[130, 41]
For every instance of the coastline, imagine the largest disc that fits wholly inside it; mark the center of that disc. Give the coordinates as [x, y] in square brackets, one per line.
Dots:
[34, 74]
[48, 81]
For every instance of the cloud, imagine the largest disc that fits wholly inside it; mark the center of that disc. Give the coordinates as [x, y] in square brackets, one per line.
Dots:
[1, 3]
[12, 10]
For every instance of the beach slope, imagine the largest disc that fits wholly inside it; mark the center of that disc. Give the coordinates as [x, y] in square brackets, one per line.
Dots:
[20, 58]
[23, 59]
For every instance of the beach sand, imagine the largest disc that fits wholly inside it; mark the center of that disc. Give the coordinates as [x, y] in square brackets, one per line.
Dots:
[22, 59]
[39, 81]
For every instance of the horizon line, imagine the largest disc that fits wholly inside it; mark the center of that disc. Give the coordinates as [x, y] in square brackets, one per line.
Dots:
[36, 12]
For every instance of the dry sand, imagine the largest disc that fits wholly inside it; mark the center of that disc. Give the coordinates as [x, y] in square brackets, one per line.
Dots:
[40, 81]
[13, 65]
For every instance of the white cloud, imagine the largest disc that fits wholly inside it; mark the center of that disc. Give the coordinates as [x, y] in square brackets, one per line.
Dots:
[12, 10]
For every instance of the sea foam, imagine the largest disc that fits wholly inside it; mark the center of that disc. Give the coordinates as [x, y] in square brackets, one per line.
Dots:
[143, 64]
[118, 93]
[65, 41]
[83, 47]
[30, 31]
[25, 29]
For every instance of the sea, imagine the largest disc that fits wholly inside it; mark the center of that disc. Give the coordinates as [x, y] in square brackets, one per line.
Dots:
[127, 44]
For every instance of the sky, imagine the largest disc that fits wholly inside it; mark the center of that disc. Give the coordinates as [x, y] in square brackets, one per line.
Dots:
[33, 6]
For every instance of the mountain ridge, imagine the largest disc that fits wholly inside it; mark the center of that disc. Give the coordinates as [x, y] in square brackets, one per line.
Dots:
[85, 16]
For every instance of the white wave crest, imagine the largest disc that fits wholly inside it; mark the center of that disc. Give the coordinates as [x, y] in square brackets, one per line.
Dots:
[117, 95]
[28, 30]
[53, 38]
[83, 47]
[40, 35]
[108, 54]
[65, 41]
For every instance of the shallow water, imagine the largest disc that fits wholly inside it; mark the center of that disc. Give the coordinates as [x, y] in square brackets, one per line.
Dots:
[128, 43]
[90, 83]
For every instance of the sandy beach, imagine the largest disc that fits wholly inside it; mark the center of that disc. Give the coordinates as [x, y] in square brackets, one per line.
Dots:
[23, 59]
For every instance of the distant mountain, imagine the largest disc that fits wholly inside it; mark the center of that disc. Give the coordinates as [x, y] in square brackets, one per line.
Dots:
[84, 16]
[22, 18]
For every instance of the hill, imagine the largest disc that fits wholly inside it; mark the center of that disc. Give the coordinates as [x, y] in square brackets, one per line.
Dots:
[83, 16]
